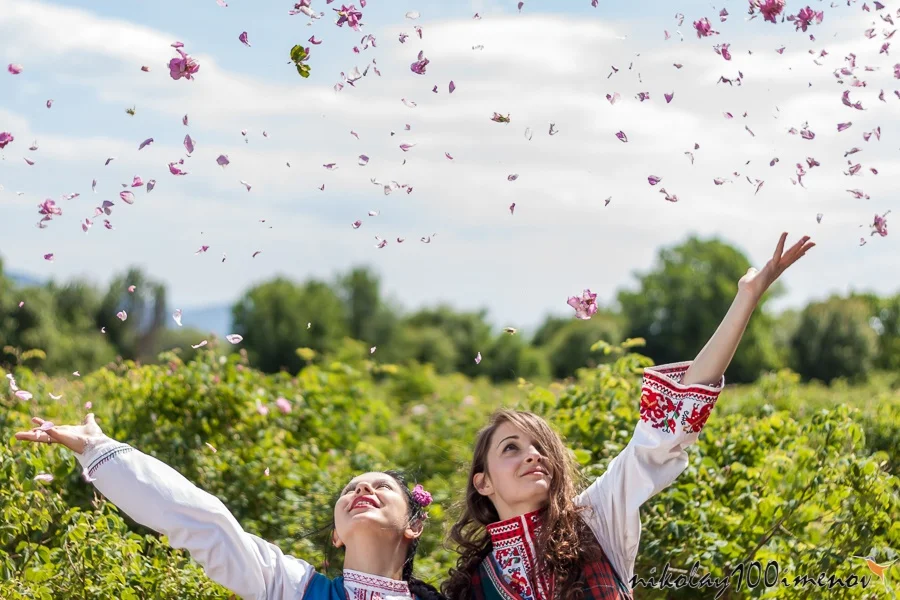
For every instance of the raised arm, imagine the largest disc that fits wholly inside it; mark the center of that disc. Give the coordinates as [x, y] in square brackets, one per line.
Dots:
[157, 496]
[676, 401]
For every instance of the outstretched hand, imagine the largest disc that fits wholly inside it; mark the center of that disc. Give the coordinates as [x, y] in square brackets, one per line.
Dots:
[757, 282]
[73, 437]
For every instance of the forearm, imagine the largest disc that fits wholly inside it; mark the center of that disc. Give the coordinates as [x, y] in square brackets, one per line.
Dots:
[716, 355]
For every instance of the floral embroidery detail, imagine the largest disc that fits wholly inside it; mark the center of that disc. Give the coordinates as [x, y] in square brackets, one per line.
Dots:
[672, 407]
[514, 551]
[364, 586]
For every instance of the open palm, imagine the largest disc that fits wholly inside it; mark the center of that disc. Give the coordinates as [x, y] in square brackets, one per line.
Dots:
[74, 437]
[758, 282]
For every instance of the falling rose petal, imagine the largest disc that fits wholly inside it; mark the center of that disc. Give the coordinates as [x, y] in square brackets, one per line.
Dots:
[406, 147]
[211, 447]
[330, 166]
[613, 98]
[819, 217]
[23, 395]
[109, 160]
[245, 184]
[413, 14]
[55, 397]
[137, 181]
[177, 316]
[127, 197]
[145, 143]
[585, 306]
[243, 39]
[669, 97]
[234, 338]
[131, 289]
[189, 144]
[183, 67]
[14, 69]
[184, 120]
[255, 254]
[363, 160]
[151, 184]
[512, 177]
[200, 345]
[44, 477]
[266, 471]
[653, 179]
[553, 130]
[122, 315]
[408, 103]
[222, 3]
[30, 162]
[419, 66]
[622, 137]
[512, 208]
[312, 40]
[222, 160]
[201, 249]
[452, 86]
[48, 257]
[843, 126]
[528, 133]
[356, 224]
[354, 134]
[447, 154]
[478, 358]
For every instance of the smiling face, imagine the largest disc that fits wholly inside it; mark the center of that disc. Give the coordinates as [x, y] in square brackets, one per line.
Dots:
[372, 504]
[517, 474]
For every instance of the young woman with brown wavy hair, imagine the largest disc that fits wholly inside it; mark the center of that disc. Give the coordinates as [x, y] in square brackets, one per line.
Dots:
[528, 532]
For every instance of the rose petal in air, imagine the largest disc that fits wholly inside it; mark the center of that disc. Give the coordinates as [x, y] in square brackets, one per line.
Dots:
[127, 197]
[151, 184]
[243, 39]
[363, 160]
[234, 338]
[177, 316]
[145, 143]
[222, 160]
[189, 144]
[356, 224]
[200, 345]
[122, 315]
[48, 257]
[23, 395]
[46, 477]
[452, 86]
[843, 126]
[512, 177]
[653, 179]
[478, 358]
[622, 137]
[14, 68]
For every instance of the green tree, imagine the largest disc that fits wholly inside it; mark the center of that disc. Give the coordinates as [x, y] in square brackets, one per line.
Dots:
[469, 332]
[510, 357]
[680, 303]
[569, 349]
[835, 339]
[145, 309]
[279, 316]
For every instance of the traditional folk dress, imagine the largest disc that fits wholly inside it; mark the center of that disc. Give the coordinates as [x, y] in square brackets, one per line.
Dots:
[672, 416]
[157, 496]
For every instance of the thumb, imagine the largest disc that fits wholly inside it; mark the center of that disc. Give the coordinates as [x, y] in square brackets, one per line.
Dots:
[89, 420]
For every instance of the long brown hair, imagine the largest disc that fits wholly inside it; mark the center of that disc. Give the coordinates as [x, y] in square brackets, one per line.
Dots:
[565, 541]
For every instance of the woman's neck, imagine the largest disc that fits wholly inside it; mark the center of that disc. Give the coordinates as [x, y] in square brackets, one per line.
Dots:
[377, 556]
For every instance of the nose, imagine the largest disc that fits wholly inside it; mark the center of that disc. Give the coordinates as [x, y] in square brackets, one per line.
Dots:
[534, 455]
[363, 488]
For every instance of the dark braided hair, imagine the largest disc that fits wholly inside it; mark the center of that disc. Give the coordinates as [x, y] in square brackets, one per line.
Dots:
[419, 588]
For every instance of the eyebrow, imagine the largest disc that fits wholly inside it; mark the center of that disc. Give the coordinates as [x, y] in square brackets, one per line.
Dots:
[376, 482]
[515, 437]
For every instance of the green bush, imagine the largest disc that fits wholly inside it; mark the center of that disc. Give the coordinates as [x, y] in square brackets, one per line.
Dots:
[797, 483]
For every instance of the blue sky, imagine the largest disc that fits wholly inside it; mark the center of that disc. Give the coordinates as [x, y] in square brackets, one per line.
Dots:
[548, 64]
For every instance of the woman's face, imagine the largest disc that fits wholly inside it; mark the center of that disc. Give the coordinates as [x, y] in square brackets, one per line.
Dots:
[370, 503]
[517, 475]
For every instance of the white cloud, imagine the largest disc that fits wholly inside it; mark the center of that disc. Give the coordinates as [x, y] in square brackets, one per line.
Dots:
[538, 69]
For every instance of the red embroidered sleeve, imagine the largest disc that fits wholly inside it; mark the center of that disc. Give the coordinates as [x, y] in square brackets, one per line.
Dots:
[670, 406]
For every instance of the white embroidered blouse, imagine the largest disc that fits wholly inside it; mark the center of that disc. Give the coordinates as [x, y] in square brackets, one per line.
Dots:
[157, 496]
[672, 416]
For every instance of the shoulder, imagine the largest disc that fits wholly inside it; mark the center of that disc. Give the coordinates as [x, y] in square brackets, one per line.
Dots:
[321, 587]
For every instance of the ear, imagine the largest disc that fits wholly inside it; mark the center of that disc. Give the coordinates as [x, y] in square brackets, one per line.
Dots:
[335, 539]
[415, 529]
[482, 483]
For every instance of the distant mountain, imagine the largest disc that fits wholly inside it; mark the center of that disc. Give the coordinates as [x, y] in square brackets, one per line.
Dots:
[22, 279]
[213, 319]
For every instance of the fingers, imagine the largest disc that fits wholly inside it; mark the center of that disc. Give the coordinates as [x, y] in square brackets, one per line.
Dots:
[779, 249]
[35, 435]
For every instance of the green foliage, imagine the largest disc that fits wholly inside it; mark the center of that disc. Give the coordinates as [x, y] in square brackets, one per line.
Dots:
[783, 471]
[835, 339]
[680, 303]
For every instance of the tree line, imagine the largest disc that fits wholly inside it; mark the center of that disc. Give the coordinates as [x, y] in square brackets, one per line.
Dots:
[674, 306]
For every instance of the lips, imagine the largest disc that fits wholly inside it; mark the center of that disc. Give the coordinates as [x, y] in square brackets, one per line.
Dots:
[364, 501]
[537, 470]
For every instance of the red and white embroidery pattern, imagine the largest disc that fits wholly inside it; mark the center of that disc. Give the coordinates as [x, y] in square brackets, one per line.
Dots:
[514, 550]
[670, 406]
[362, 586]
